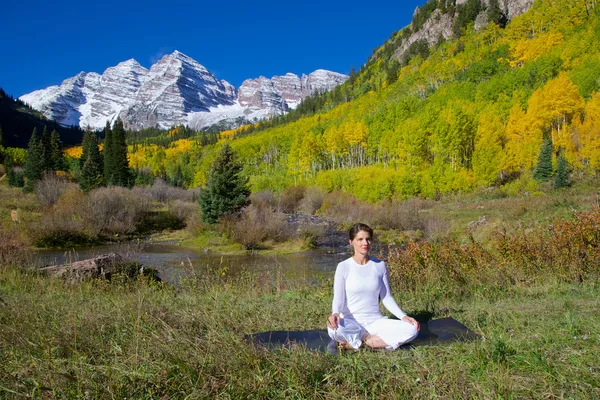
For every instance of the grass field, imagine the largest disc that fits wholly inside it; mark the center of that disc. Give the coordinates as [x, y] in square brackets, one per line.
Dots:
[136, 339]
[527, 280]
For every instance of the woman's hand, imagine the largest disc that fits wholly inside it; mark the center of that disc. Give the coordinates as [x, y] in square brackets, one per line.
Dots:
[411, 321]
[333, 321]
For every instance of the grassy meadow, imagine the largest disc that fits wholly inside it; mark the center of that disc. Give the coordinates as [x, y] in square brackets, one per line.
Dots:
[525, 278]
[137, 339]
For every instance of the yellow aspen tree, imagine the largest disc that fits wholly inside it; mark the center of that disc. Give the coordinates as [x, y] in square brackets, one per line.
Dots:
[523, 142]
[588, 133]
[553, 107]
[526, 50]
[488, 147]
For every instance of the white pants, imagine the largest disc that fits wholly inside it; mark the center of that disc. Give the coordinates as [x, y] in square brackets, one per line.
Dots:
[392, 331]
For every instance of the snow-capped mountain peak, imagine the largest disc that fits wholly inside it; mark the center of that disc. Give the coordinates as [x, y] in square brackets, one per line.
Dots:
[175, 90]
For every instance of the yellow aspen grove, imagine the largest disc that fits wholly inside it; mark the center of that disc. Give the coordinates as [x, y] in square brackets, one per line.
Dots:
[523, 141]
[553, 107]
[530, 49]
[488, 147]
[588, 133]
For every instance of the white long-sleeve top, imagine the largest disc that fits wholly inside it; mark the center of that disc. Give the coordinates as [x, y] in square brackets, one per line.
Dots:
[358, 288]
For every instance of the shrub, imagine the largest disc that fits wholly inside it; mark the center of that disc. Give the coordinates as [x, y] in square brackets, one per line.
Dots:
[162, 192]
[346, 209]
[183, 210]
[64, 223]
[12, 247]
[116, 210]
[254, 226]
[405, 215]
[569, 251]
[49, 189]
[312, 200]
[264, 198]
[311, 234]
[290, 199]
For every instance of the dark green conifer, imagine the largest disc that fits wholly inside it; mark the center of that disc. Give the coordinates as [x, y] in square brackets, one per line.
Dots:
[178, 180]
[47, 163]
[543, 170]
[91, 163]
[121, 174]
[57, 160]
[561, 179]
[227, 189]
[107, 152]
[34, 165]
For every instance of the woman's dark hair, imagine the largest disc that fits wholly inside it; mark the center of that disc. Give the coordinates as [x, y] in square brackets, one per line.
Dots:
[358, 228]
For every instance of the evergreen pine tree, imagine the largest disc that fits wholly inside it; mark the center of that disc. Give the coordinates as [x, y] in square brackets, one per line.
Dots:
[121, 174]
[543, 170]
[561, 179]
[10, 172]
[107, 152]
[47, 162]
[178, 179]
[226, 191]
[34, 166]
[91, 163]
[57, 161]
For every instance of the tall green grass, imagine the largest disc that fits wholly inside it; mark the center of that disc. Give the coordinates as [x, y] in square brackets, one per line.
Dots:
[138, 339]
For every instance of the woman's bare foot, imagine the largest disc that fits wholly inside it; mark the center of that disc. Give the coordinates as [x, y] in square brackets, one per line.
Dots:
[345, 346]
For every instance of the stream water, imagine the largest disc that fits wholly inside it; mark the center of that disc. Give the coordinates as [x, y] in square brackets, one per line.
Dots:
[174, 262]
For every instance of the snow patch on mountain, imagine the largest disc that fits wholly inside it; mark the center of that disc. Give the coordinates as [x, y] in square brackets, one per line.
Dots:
[175, 90]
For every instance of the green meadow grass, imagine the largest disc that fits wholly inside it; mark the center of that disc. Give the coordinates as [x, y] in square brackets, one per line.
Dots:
[138, 339]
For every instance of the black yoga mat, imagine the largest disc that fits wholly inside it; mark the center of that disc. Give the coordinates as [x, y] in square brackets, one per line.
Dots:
[443, 330]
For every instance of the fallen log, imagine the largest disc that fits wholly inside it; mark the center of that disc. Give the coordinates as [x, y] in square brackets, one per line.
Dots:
[100, 267]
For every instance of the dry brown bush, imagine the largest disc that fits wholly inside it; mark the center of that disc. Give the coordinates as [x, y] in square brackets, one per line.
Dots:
[311, 234]
[255, 225]
[50, 188]
[12, 247]
[312, 200]
[264, 198]
[65, 219]
[346, 209]
[405, 216]
[116, 210]
[183, 210]
[290, 199]
[162, 192]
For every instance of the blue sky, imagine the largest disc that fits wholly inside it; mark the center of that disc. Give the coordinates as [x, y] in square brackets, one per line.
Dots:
[46, 42]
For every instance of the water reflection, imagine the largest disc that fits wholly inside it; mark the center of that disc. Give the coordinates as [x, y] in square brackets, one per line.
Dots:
[174, 262]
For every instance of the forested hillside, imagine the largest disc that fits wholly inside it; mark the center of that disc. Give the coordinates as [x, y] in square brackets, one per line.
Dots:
[470, 112]
[17, 121]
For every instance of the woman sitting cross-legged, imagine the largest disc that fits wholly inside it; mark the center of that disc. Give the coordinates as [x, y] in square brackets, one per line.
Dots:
[359, 283]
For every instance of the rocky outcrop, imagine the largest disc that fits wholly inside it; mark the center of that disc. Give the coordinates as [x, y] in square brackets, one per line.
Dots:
[321, 80]
[175, 90]
[289, 88]
[260, 93]
[281, 93]
[439, 25]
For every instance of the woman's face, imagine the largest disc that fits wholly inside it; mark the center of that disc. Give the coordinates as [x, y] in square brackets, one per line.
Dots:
[361, 243]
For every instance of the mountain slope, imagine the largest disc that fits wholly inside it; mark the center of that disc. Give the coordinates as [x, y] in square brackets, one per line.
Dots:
[471, 112]
[176, 90]
[17, 121]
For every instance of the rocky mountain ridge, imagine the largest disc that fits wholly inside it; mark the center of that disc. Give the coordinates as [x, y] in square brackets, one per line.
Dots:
[175, 90]
[439, 24]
